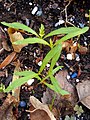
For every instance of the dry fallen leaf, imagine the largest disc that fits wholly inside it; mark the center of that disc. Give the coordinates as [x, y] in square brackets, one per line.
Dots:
[61, 102]
[14, 36]
[5, 45]
[40, 111]
[7, 60]
[83, 90]
[6, 108]
[16, 92]
[61, 77]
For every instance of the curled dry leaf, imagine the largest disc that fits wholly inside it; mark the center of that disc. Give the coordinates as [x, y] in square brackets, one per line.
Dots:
[83, 90]
[6, 112]
[14, 36]
[83, 50]
[70, 48]
[7, 60]
[40, 111]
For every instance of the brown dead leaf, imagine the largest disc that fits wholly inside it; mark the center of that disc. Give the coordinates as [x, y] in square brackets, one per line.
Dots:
[14, 36]
[49, 94]
[2, 73]
[7, 60]
[61, 102]
[83, 90]
[6, 109]
[61, 77]
[41, 111]
[82, 49]
[5, 45]
[16, 92]
[2, 95]
[70, 47]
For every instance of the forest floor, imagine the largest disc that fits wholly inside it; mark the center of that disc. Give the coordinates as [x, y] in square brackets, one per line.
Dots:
[52, 14]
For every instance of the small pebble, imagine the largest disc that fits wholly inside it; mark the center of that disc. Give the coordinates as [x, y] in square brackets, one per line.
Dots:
[29, 82]
[77, 57]
[69, 56]
[27, 22]
[30, 3]
[68, 77]
[74, 75]
[39, 13]
[40, 63]
[22, 104]
[81, 25]
[34, 10]
[85, 43]
[59, 23]
[77, 80]
[8, 9]
[48, 65]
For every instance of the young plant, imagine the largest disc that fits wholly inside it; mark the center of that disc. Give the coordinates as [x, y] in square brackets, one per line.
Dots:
[51, 57]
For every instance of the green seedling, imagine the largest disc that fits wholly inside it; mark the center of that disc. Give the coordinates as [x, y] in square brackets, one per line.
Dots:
[2, 88]
[69, 118]
[78, 110]
[51, 57]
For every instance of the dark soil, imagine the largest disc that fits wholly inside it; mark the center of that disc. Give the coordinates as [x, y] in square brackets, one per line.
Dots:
[51, 12]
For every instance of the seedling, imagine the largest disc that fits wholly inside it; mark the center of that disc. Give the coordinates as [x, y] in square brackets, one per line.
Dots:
[78, 110]
[2, 87]
[69, 118]
[51, 57]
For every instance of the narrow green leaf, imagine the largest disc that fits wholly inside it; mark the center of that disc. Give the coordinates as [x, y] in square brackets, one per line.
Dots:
[54, 59]
[20, 81]
[49, 56]
[62, 31]
[18, 25]
[57, 87]
[49, 86]
[31, 41]
[42, 31]
[72, 34]
[24, 73]
[56, 69]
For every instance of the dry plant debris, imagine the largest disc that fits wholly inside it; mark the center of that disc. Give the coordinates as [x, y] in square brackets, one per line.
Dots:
[40, 111]
[6, 112]
[83, 90]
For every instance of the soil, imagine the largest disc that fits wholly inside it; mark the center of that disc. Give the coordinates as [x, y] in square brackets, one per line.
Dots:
[50, 12]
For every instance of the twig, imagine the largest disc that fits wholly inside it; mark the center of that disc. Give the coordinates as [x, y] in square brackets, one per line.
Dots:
[66, 16]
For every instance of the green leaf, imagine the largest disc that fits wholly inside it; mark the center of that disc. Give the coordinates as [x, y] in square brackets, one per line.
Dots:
[72, 34]
[24, 73]
[20, 81]
[2, 87]
[57, 87]
[78, 110]
[62, 31]
[31, 41]
[42, 31]
[49, 56]
[51, 43]
[54, 59]
[18, 25]
[56, 69]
